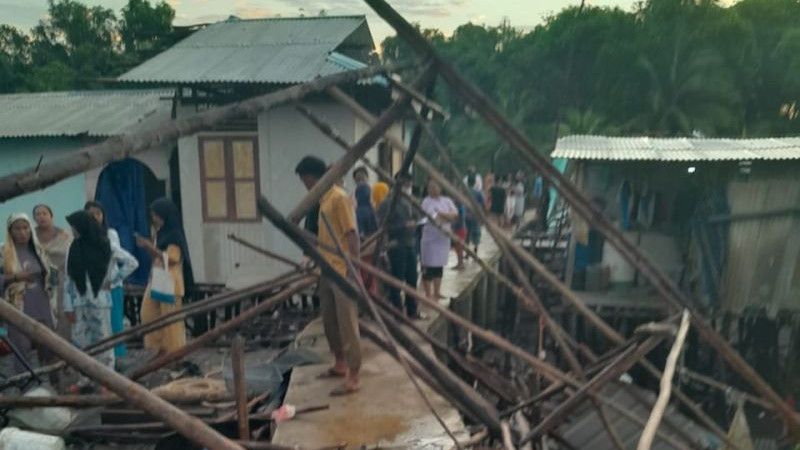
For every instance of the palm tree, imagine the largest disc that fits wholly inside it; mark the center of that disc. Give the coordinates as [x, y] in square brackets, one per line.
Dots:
[586, 122]
[689, 89]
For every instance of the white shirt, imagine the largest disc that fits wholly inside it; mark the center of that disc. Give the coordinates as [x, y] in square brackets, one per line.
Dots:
[478, 182]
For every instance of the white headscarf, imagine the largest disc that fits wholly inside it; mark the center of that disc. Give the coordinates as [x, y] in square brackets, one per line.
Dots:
[11, 265]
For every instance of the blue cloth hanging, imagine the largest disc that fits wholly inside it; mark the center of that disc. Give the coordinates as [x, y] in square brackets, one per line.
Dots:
[120, 190]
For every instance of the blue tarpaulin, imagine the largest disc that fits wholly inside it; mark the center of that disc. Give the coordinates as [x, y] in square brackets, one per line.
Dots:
[120, 190]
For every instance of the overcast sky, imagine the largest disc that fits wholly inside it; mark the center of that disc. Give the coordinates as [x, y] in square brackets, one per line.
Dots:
[442, 14]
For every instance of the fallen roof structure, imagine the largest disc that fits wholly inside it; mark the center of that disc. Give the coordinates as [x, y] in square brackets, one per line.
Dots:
[580, 382]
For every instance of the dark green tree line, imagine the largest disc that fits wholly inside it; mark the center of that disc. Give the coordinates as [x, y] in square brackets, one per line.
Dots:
[667, 68]
[77, 45]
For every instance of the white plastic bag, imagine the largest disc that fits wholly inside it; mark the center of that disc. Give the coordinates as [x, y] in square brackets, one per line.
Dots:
[162, 286]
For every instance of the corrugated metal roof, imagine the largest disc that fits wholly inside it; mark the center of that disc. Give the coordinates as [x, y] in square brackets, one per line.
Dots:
[585, 430]
[676, 149]
[74, 113]
[277, 50]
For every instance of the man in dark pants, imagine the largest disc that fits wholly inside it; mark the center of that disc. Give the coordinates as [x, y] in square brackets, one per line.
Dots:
[401, 227]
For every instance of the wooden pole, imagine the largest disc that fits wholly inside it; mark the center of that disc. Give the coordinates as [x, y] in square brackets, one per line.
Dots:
[226, 327]
[660, 281]
[190, 427]
[646, 439]
[240, 387]
[117, 148]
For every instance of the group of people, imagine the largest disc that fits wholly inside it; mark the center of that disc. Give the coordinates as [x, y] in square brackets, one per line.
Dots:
[505, 197]
[71, 281]
[415, 241]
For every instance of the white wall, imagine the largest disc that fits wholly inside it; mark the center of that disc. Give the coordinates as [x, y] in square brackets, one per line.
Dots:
[284, 137]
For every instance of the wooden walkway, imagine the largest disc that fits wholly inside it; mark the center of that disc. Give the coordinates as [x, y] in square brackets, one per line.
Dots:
[387, 411]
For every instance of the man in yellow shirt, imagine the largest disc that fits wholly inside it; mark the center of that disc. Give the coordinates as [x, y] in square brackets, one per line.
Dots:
[339, 313]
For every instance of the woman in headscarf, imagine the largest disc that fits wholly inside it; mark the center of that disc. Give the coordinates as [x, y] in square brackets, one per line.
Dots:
[26, 283]
[435, 245]
[55, 243]
[169, 239]
[124, 260]
[93, 265]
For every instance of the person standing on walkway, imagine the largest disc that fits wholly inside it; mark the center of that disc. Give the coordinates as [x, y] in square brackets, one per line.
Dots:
[435, 245]
[170, 240]
[498, 201]
[55, 243]
[365, 213]
[402, 246]
[477, 183]
[519, 205]
[27, 284]
[488, 184]
[472, 222]
[93, 266]
[511, 201]
[460, 230]
[339, 313]
[122, 259]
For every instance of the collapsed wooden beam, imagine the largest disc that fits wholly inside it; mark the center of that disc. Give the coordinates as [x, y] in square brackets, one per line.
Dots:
[190, 427]
[667, 288]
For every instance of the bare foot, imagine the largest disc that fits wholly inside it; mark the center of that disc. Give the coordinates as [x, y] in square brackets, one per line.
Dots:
[332, 372]
[349, 386]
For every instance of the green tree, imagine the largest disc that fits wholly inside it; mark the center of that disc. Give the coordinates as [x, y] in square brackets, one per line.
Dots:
[774, 59]
[14, 58]
[81, 38]
[146, 29]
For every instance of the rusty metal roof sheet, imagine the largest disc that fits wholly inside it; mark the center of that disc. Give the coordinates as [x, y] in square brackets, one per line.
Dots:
[675, 149]
[275, 50]
[75, 113]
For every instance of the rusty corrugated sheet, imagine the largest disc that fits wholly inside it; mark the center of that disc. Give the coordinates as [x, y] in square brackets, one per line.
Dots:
[79, 113]
[584, 430]
[675, 149]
